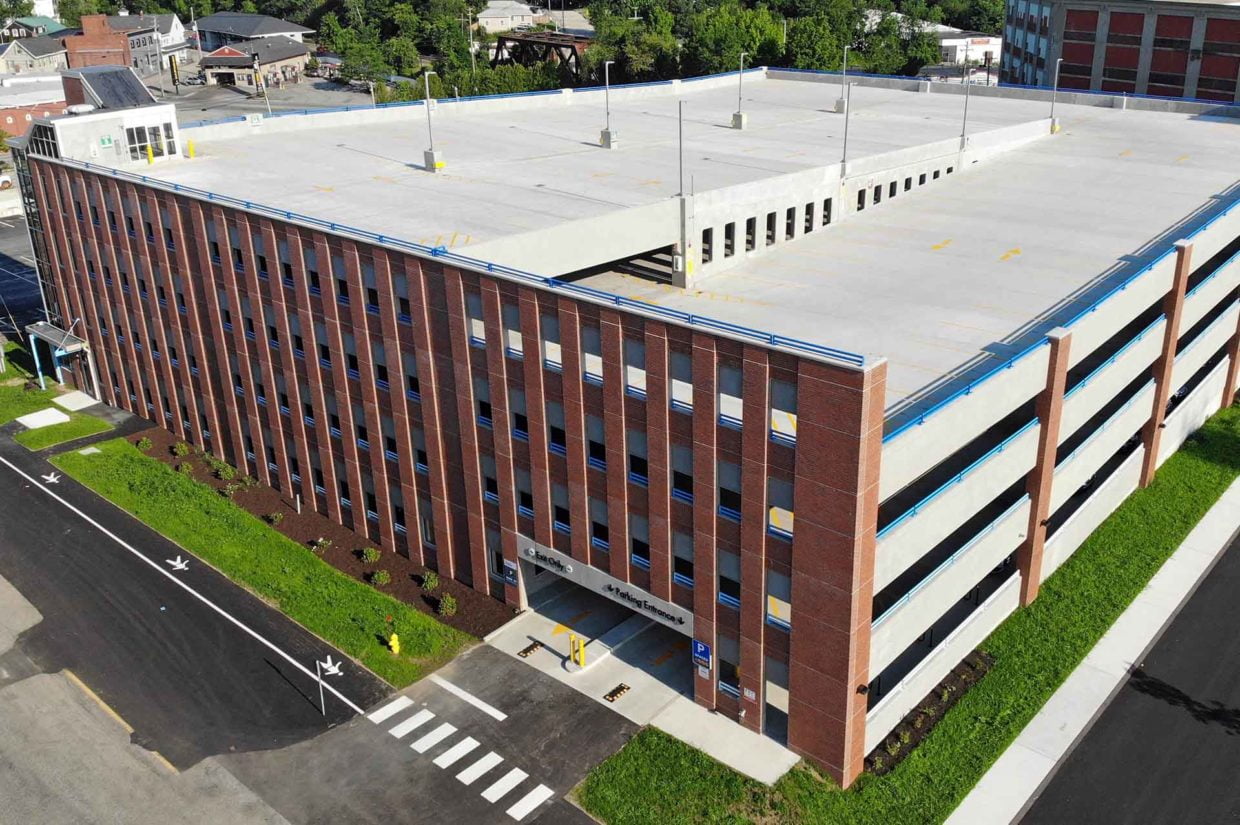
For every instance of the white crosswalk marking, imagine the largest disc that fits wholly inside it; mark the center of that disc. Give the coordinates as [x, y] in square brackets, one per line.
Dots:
[434, 738]
[455, 752]
[530, 801]
[420, 718]
[471, 774]
[390, 709]
[505, 784]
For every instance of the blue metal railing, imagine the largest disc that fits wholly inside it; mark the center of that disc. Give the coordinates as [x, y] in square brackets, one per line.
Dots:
[441, 252]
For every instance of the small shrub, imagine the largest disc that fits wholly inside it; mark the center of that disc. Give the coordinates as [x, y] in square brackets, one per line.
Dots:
[321, 545]
[892, 747]
[185, 468]
[878, 763]
[249, 481]
[144, 444]
[228, 490]
[447, 605]
[370, 555]
[430, 581]
[380, 577]
[906, 736]
[274, 519]
[224, 472]
[180, 449]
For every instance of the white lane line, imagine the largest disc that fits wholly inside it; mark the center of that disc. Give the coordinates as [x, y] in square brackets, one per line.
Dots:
[455, 752]
[434, 738]
[390, 709]
[505, 784]
[416, 721]
[460, 693]
[167, 575]
[470, 774]
[530, 801]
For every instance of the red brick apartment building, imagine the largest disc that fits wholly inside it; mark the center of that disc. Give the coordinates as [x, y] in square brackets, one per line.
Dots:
[761, 402]
[1170, 49]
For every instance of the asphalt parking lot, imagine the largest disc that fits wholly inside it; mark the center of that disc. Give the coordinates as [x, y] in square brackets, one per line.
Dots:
[19, 288]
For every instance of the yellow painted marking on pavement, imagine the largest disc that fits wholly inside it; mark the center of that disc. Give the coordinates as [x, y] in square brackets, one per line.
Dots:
[95, 697]
[564, 628]
[1125, 153]
[162, 760]
[651, 182]
[942, 245]
[325, 188]
[666, 655]
[1181, 158]
[452, 242]
[1011, 253]
[468, 238]
[383, 179]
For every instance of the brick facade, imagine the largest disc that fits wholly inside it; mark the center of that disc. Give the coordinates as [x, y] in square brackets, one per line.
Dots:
[98, 45]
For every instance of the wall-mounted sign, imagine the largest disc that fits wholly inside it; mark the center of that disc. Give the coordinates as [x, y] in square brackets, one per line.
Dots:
[750, 695]
[701, 653]
[592, 578]
[510, 572]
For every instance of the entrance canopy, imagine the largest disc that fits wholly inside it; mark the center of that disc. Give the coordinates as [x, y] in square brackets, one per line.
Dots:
[60, 342]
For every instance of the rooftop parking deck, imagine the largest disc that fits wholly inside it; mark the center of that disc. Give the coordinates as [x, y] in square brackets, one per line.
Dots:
[943, 282]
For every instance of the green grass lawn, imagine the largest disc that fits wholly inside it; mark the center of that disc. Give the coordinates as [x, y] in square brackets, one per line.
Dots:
[657, 779]
[14, 400]
[79, 425]
[342, 610]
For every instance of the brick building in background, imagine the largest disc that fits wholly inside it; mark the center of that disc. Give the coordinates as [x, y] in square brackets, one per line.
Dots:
[1158, 48]
[763, 404]
[98, 45]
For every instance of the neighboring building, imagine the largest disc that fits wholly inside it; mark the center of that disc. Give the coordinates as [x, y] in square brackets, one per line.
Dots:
[280, 60]
[98, 44]
[765, 411]
[505, 15]
[153, 38]
[26, 97]
[228, 27]
[106, 87]
[22, 27]
[1155, 47]
[957, 46]
[34, 55]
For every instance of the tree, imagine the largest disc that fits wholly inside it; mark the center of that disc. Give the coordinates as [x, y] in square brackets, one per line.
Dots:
[718, 36]
[402, 55]
[644, 49]
[330, 31]
[814, 44]
[16, 8]
[72, 11]
[364, 60]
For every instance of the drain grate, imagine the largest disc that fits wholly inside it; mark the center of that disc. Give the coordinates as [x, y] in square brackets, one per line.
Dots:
[616, 692]
[530, 649]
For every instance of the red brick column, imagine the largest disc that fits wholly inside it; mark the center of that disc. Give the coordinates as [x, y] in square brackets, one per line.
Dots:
[755, 440]
[1173, 306]
[616, 435]
[536, 413]
[658, 460]
[839, 447]
[575, 430]
[1233, 369]
[705, 510]
[1050, 412]
[463, 389]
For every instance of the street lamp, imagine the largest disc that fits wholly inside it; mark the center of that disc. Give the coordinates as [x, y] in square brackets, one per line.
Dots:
[738, 119]
[846, 99]
[608, 139]
[1054, 94]
[432, 160]
[968, 84]
[841, 105]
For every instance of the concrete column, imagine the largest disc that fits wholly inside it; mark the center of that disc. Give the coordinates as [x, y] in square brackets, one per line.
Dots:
[755, 445]
[1233, 368]
[705, 511]
[1195, 43]
[1173, 305]
[1100, 48]
[1146, 55]
[1050, 412]
[839, 449]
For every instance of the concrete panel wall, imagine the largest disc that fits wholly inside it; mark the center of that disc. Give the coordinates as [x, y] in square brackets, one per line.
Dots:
[1193, 411]
[1208, 240]
[1092, 330]
[557, 249]
[901, 625]
[946, 430]
[1085, 461]
[1109, 495]
[1209, 292]
[972, 632]
[952, 505]
[1196, 354]
[1100, 387]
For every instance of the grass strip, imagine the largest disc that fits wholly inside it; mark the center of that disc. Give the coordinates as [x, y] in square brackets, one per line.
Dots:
[346, 612]
[78, 426]
[657, 779]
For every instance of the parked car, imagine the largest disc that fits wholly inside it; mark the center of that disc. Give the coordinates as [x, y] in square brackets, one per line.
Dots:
[193, 80]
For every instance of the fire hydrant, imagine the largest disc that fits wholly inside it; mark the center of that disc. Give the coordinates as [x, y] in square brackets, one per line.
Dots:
[394, 644]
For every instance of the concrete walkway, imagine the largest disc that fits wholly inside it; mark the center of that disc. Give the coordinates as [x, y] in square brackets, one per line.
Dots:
[1012, 783]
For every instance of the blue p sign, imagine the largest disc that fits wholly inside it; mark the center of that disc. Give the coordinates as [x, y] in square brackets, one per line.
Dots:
[701, 653]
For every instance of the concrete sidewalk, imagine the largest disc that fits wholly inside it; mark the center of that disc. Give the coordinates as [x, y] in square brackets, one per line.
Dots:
[1014, 781]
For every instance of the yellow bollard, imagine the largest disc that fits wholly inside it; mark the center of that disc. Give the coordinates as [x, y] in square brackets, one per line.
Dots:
[191, 149]
[150, 154]
[394, 644]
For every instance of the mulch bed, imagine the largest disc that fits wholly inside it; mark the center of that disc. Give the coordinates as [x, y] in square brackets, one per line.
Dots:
[921, 720]
[477, 613]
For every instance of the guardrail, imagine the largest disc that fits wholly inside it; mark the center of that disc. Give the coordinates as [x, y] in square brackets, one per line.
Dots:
[442, 253]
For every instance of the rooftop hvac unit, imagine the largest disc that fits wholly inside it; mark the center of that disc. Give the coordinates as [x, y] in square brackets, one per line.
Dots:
[80, 108]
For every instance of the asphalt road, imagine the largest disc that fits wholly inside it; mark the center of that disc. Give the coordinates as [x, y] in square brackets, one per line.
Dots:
[19, 288]
[186, 677]
[1166, 749]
